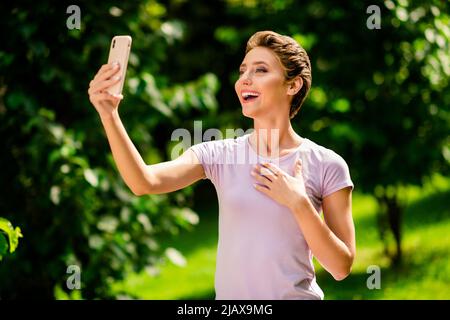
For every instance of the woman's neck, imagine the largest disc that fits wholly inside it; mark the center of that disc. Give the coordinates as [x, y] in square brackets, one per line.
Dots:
[272, 138]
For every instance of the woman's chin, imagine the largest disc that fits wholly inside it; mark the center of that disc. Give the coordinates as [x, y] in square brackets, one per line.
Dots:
[249, 111]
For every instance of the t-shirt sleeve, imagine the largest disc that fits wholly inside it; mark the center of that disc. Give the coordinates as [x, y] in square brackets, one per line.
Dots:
[335, 174]
[207, 154]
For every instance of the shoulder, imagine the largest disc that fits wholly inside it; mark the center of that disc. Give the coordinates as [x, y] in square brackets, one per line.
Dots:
[325, 156]
[330, 165]
[333, 169]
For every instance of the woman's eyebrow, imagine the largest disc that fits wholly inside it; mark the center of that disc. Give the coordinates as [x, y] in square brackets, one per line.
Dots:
[256, 62]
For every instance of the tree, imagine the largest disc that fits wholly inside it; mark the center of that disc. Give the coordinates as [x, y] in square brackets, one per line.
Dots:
[58, 175]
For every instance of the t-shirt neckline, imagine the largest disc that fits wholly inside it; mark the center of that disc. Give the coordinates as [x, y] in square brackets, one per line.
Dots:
[288, 155]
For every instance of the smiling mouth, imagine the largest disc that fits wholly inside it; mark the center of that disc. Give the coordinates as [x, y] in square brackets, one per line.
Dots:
[247, 97]
[250, 98]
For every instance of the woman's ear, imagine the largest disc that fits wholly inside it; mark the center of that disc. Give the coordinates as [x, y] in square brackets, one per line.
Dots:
[295, 85]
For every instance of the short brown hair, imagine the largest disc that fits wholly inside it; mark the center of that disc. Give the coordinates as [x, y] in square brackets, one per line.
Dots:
[293, 58]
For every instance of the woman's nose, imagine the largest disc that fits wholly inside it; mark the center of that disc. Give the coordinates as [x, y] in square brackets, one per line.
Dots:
[246, 78]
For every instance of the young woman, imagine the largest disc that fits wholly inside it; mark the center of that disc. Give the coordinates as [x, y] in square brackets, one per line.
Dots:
[269, 206]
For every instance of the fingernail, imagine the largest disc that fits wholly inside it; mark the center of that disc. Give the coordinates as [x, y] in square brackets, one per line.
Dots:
[116, 78]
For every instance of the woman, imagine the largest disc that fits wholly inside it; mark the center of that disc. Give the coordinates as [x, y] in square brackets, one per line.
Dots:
[269, 206]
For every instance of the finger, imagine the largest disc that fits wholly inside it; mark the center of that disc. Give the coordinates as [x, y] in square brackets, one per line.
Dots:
[266, 172]
[260, 178]
[104, 84]
[107, 72]
[102, 70]
[106, 96]
[263, 172]
[99, 97]
[105, 67]
[273, 168]
[298, 168]
[263, 189]
[105, 76]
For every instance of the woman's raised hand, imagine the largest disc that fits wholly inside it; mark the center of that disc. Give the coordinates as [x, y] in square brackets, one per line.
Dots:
[104, 102]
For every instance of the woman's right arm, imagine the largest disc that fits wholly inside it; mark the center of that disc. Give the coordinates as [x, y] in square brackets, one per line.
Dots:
[141, 178]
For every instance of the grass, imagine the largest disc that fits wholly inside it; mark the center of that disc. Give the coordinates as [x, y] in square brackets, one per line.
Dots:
[424, 273]
[195, 280]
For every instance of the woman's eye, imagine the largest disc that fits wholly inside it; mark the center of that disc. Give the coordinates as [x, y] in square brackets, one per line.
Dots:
[257, 70]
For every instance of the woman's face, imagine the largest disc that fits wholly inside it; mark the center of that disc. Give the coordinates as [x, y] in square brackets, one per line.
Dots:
[261, 86]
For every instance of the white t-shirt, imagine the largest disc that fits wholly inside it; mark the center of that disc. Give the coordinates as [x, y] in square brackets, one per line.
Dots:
[262, 253]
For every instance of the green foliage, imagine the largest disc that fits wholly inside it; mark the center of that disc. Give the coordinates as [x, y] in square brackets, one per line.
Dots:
[9, 237]
[58, 175]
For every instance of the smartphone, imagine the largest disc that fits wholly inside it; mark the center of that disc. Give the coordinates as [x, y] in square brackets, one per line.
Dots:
[119, 51]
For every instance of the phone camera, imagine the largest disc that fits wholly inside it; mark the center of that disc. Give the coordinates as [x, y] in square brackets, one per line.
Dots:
[114, 43]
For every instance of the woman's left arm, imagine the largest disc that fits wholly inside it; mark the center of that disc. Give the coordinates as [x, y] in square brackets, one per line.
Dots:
[332, 241]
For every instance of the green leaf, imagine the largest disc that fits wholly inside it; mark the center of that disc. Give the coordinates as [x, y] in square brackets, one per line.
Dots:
[12, 234]
[341, 105]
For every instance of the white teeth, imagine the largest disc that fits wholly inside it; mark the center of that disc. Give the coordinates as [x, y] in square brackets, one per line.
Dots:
[249, 94]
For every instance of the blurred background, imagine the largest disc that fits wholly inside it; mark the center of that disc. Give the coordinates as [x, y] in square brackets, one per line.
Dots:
[380, 98]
